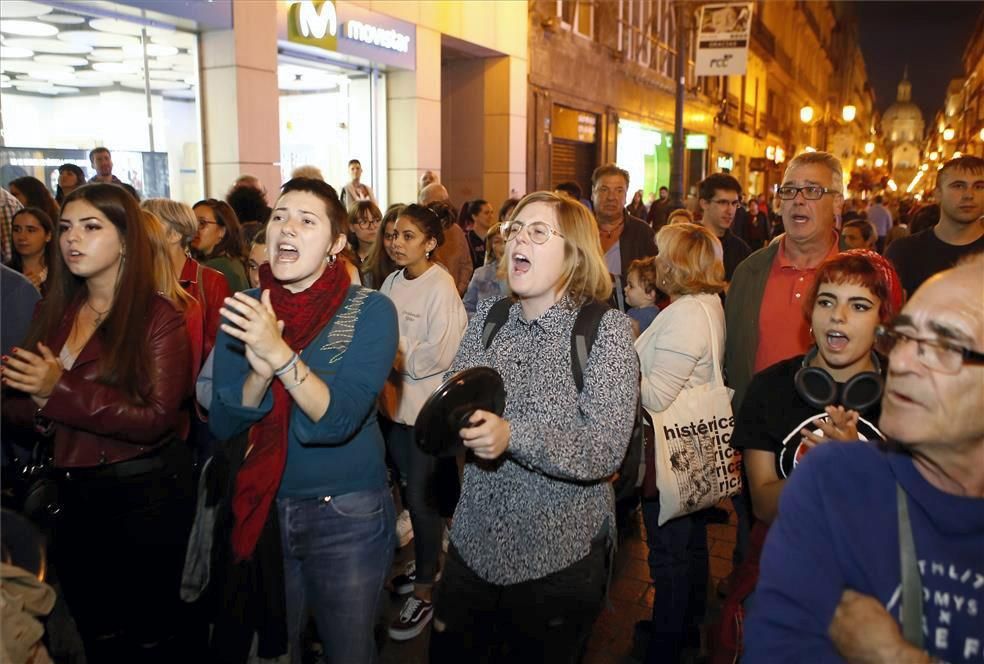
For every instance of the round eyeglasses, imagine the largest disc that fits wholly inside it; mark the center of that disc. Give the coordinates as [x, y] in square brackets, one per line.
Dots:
[538, 231]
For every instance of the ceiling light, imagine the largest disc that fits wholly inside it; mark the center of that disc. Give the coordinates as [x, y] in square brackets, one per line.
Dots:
[138, 84]
[31, 67]
[95, 38]
[168, 75]
[14, 52]
[47, 45]
[106, 55]
[174, 38]
[28, 28]
[62, 19]
[119, 27]
[22, 9]
[116, 67]
[67, 60]
[79, 81]
[155, 50]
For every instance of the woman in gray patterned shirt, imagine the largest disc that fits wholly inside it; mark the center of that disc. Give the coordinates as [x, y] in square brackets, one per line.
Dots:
[525, 573]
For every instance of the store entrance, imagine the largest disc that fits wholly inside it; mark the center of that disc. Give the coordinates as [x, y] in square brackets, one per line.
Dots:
[328, 116]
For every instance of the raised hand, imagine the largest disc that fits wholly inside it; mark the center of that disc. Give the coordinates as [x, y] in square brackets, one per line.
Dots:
[254, 323]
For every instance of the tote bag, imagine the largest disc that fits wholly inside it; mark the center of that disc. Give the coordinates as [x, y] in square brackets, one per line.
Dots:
[695, 464]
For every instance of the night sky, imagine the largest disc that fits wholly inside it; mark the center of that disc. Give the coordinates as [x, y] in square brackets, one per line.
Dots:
[929, 36]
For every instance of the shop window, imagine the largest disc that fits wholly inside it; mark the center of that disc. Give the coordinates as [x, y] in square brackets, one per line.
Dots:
[84, 81]
[577, 16]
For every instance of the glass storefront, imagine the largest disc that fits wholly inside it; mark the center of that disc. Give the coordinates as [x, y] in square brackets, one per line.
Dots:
[331, 113]
[645, 152]
[73, 80]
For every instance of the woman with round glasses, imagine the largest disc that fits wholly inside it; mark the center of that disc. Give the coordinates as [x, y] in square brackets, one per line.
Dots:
[219, 242]
[364, 220]
[525, 573]
[831, 393]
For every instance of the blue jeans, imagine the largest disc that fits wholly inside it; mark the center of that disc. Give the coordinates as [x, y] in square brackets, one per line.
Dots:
[337, 554]
[678, 564]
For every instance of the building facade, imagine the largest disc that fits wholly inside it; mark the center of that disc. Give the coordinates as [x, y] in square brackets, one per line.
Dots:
[189, 95]
[602, 89]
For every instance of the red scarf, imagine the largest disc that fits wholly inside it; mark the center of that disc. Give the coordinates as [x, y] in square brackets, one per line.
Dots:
[305, 315]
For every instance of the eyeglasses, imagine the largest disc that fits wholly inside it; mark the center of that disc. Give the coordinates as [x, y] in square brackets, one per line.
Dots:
[368, 223]
[811, 192]
[203, 224]
[934, 354]
[538, 231]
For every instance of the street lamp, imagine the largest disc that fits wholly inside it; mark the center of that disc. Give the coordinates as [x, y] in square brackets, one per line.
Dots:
[879, 162]
[849, 112]
[948, 134]
[806, 114]
[859, 162]
[869, 147]
[934, 155]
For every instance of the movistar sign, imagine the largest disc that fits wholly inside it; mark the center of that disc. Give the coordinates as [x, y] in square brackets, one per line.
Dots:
[381, 37]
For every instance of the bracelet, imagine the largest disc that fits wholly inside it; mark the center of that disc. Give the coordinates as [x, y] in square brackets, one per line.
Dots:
[290, 363]
[303, 378]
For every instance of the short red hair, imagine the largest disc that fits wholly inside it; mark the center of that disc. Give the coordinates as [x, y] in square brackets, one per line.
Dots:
[864, 268]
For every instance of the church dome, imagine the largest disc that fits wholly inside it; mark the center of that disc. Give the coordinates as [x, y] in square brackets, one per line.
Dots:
[903, 121]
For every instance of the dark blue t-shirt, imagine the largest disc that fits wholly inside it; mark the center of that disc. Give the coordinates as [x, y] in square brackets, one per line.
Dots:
[838, 528]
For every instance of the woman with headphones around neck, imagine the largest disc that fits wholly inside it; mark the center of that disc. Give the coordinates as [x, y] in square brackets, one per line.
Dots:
[831, 393]
[834, 391]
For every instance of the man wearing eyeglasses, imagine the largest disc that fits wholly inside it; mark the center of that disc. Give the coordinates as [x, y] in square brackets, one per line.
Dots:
[876, 555]
[764, 307]
[720, 198]
[960, 232]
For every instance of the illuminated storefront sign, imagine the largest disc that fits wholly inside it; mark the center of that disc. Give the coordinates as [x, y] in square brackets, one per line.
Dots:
[349, 29]
[725, 162]
[696, 141]
[775, 154]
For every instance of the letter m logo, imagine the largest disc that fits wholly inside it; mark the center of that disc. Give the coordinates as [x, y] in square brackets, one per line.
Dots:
[313, 23]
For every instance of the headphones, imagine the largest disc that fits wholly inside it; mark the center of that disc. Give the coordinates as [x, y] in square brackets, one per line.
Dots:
[820, 390]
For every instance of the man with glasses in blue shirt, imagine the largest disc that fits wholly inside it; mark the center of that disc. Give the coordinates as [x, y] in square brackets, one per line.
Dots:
[720, 198]
[764, 306]
[876, 554]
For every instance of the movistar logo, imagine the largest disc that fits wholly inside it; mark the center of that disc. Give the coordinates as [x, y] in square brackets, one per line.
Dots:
[314, 23]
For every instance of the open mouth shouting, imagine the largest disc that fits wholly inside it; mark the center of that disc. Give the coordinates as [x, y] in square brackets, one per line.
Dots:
[521, 263]
[286, 253]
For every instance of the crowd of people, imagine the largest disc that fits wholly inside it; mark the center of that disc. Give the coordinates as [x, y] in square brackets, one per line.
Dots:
[219, 402]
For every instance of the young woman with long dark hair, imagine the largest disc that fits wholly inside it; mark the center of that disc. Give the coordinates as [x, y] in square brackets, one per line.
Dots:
[219, 243]
[432, 320]
[34, 247]
[106, 372]
[298, 365]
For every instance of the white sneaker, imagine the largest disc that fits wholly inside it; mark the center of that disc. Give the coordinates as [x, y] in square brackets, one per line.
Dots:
[404, 529]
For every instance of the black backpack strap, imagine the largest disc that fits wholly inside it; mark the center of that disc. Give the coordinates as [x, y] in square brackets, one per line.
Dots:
[498, 315]
[583, 337]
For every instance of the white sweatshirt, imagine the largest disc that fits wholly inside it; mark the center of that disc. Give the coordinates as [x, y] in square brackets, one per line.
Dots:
[432, 323]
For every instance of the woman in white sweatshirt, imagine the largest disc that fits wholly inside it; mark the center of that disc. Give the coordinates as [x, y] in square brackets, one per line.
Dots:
[432, 321]
[676, 352]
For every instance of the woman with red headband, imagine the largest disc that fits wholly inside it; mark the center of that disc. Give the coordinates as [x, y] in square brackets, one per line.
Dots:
[831, 393]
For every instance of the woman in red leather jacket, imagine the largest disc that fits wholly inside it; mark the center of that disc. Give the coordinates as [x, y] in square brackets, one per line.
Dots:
[105, 372]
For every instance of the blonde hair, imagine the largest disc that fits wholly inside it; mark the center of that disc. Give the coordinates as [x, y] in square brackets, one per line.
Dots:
[178, 216]
[165, 280]
[694, 257]
[585, 275]
[680, 216]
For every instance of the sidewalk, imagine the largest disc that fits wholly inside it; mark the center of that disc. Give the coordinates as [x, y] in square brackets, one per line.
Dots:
[631, 597]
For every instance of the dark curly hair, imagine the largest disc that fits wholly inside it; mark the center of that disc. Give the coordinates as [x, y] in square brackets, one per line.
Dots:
[249, 203]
